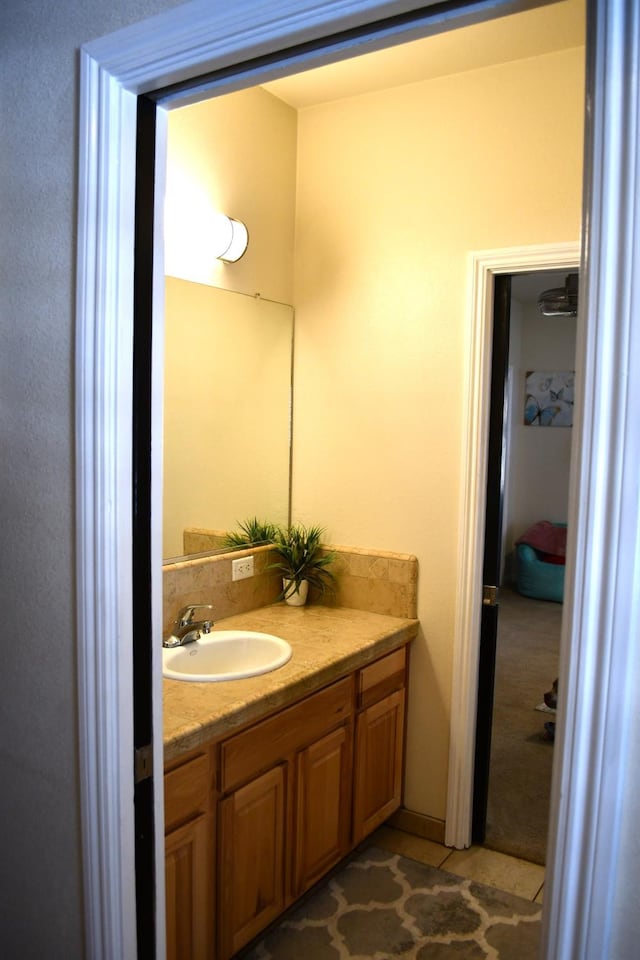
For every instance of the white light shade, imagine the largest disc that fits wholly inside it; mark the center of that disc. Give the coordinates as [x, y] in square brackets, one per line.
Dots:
[230, 238]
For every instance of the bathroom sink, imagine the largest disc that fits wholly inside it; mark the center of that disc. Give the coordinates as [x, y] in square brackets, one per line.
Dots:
[225, 655]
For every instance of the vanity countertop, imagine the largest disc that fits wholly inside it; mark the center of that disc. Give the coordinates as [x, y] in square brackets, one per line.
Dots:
[327, 644]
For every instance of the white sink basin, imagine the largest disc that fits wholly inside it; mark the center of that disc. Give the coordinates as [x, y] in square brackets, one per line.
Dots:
[225, 655]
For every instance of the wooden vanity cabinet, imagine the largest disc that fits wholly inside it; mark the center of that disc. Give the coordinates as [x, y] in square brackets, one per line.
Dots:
[188, 857]
[254, 820]
[379, 743]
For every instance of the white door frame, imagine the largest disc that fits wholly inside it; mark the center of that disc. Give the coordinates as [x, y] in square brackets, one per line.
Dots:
[483, 267]
[184, 43]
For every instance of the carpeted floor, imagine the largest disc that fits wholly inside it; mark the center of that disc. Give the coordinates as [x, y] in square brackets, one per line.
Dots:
[521, 759]
[381, 905]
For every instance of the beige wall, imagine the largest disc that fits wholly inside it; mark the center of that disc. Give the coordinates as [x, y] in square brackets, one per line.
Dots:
[394, 190]
[236, 155]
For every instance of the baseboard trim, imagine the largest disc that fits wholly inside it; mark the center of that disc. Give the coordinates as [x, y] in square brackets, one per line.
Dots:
[419, 824]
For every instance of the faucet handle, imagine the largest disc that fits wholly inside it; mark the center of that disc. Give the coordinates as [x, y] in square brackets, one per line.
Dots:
[185, 616]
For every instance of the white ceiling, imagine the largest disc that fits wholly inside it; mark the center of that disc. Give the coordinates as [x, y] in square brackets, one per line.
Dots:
[555, 26]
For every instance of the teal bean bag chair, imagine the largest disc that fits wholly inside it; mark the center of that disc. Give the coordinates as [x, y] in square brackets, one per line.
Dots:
[540, 554]
[537, 578]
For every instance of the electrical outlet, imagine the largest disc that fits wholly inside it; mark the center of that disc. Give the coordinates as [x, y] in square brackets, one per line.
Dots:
[242, 568]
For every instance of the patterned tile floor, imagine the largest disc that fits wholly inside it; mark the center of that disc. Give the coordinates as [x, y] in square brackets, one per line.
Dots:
[408, 898]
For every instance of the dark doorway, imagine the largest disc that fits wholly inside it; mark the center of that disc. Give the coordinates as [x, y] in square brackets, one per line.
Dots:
[492, 555]
[141, 531]
[527, 481]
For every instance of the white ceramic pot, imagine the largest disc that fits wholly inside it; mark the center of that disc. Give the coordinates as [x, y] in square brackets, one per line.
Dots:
[295, 598]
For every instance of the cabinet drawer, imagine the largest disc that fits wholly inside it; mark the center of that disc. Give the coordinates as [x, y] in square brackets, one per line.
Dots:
[186, 790]
[381, 677]
[248, 753]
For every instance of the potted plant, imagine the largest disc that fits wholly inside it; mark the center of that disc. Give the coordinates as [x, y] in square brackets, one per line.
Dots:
[302, 562]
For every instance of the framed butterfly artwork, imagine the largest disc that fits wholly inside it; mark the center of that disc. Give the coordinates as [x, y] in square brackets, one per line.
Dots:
[549, 398]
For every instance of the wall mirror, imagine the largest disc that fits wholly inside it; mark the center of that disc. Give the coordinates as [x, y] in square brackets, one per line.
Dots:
[227, 412]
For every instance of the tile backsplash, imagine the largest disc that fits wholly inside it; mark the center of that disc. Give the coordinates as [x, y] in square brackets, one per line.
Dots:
[197, 539]
[208, 580]
[377, 581]
[371, 580]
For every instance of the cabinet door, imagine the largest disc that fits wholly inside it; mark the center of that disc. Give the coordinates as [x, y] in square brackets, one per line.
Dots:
[187, 891]
[323, 807]
[378, 763]
[251, 877]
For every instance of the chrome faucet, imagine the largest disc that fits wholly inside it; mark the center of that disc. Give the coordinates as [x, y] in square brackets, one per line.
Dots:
[186, 629]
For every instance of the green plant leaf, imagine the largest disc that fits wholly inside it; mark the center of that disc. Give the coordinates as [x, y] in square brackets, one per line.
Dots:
[251, 531]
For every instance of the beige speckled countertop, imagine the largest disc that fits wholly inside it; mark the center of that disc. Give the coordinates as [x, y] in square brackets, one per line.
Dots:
[327, 644]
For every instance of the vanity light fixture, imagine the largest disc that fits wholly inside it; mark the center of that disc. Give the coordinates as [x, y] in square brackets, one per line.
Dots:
[230, 238]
